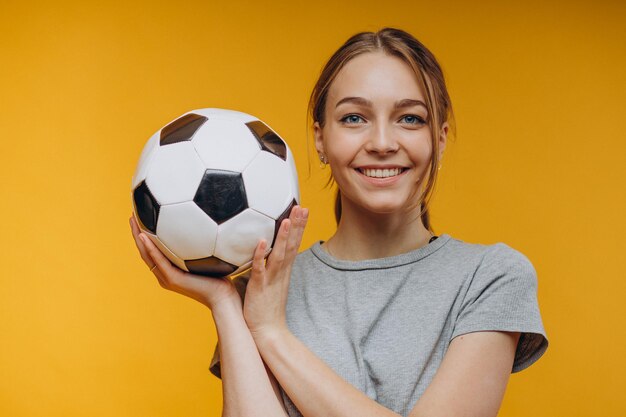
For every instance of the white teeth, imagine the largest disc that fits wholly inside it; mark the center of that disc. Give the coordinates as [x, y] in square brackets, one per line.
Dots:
[381, 173]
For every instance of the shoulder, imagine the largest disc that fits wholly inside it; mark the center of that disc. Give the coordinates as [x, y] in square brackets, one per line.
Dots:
[502, 281]
[501, 295]
[487, 269]
[504, 255]
[500, 261]
[496, 256]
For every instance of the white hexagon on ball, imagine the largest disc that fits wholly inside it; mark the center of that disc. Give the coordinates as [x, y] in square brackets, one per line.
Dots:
[187, 230]
[268, 184]
[237, 238]
[225, 144]
[175, 173]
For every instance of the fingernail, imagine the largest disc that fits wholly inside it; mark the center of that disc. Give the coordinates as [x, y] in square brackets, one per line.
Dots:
[286, 226]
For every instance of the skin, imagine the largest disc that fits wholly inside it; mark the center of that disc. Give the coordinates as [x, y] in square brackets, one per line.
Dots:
[257, 348]
[364, 127]
[244, 375]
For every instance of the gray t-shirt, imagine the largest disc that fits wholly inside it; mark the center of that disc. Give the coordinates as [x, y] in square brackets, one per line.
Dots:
[384, 325]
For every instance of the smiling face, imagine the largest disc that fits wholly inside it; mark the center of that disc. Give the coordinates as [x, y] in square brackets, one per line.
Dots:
[376, 136]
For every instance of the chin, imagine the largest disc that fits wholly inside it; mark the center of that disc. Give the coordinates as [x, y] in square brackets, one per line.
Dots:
[385, 208]
[389, 204]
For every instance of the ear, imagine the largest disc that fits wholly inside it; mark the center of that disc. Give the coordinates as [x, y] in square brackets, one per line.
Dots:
[319, 138]
[443, 138]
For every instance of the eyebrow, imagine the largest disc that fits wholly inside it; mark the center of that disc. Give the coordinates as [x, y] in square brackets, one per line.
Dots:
[407, 102]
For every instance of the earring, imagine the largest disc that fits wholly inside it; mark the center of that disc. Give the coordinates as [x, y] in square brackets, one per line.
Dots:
[323, 161]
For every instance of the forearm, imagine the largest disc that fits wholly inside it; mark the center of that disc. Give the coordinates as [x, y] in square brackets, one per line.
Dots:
[315, 389]
[247, 390]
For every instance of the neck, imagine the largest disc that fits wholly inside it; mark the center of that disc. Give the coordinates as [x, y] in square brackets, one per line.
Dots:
[368, 235]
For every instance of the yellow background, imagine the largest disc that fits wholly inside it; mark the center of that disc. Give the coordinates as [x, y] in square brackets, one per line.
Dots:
[539, 163]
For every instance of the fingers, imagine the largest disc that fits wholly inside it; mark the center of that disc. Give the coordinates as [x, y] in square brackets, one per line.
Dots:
[288, 239]
[278, 250]
[162, 263]
[207, 291]
[142, 249]
[258, 260]
[165, 272]
[298, 221]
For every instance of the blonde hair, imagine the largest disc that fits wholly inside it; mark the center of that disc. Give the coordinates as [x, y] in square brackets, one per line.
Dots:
[397, 43]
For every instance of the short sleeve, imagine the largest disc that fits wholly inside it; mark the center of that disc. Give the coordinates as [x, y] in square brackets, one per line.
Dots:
[241, 282]
[502, 296]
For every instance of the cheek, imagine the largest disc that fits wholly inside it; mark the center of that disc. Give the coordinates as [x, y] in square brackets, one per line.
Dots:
[426, 156]
[341, 150]
[339, 166]
[421, 152]
[340, 157]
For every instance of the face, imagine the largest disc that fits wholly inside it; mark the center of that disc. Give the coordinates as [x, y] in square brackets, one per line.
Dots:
[376, 137]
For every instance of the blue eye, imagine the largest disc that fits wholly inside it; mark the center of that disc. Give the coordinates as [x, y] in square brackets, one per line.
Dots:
[351, 119]
[413, 120]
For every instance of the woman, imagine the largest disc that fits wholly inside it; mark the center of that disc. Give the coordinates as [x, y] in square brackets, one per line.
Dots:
[384, 318]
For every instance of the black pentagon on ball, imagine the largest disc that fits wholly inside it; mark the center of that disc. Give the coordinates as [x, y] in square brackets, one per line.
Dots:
[221, 194]
[268, 139]
[181, 129]
[146, 207]
[210, 267]
[283, 216]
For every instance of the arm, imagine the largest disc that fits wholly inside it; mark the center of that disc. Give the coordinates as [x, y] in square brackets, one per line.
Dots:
[472, 377]
[470, 381]
[249, 389]
[315, 389]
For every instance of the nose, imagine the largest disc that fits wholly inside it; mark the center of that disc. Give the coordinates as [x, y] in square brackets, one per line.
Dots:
[381, 140]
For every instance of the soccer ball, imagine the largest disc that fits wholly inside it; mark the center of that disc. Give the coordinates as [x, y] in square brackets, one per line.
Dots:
[209, 186]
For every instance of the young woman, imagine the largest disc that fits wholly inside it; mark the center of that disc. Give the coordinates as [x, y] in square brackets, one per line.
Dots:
[384, 318]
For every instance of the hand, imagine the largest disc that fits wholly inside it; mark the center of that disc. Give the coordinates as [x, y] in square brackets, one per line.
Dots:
[208, 291]
[266, 294]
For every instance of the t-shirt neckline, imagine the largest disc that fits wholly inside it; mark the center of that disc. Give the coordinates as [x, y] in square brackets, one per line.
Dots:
[380, 263]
